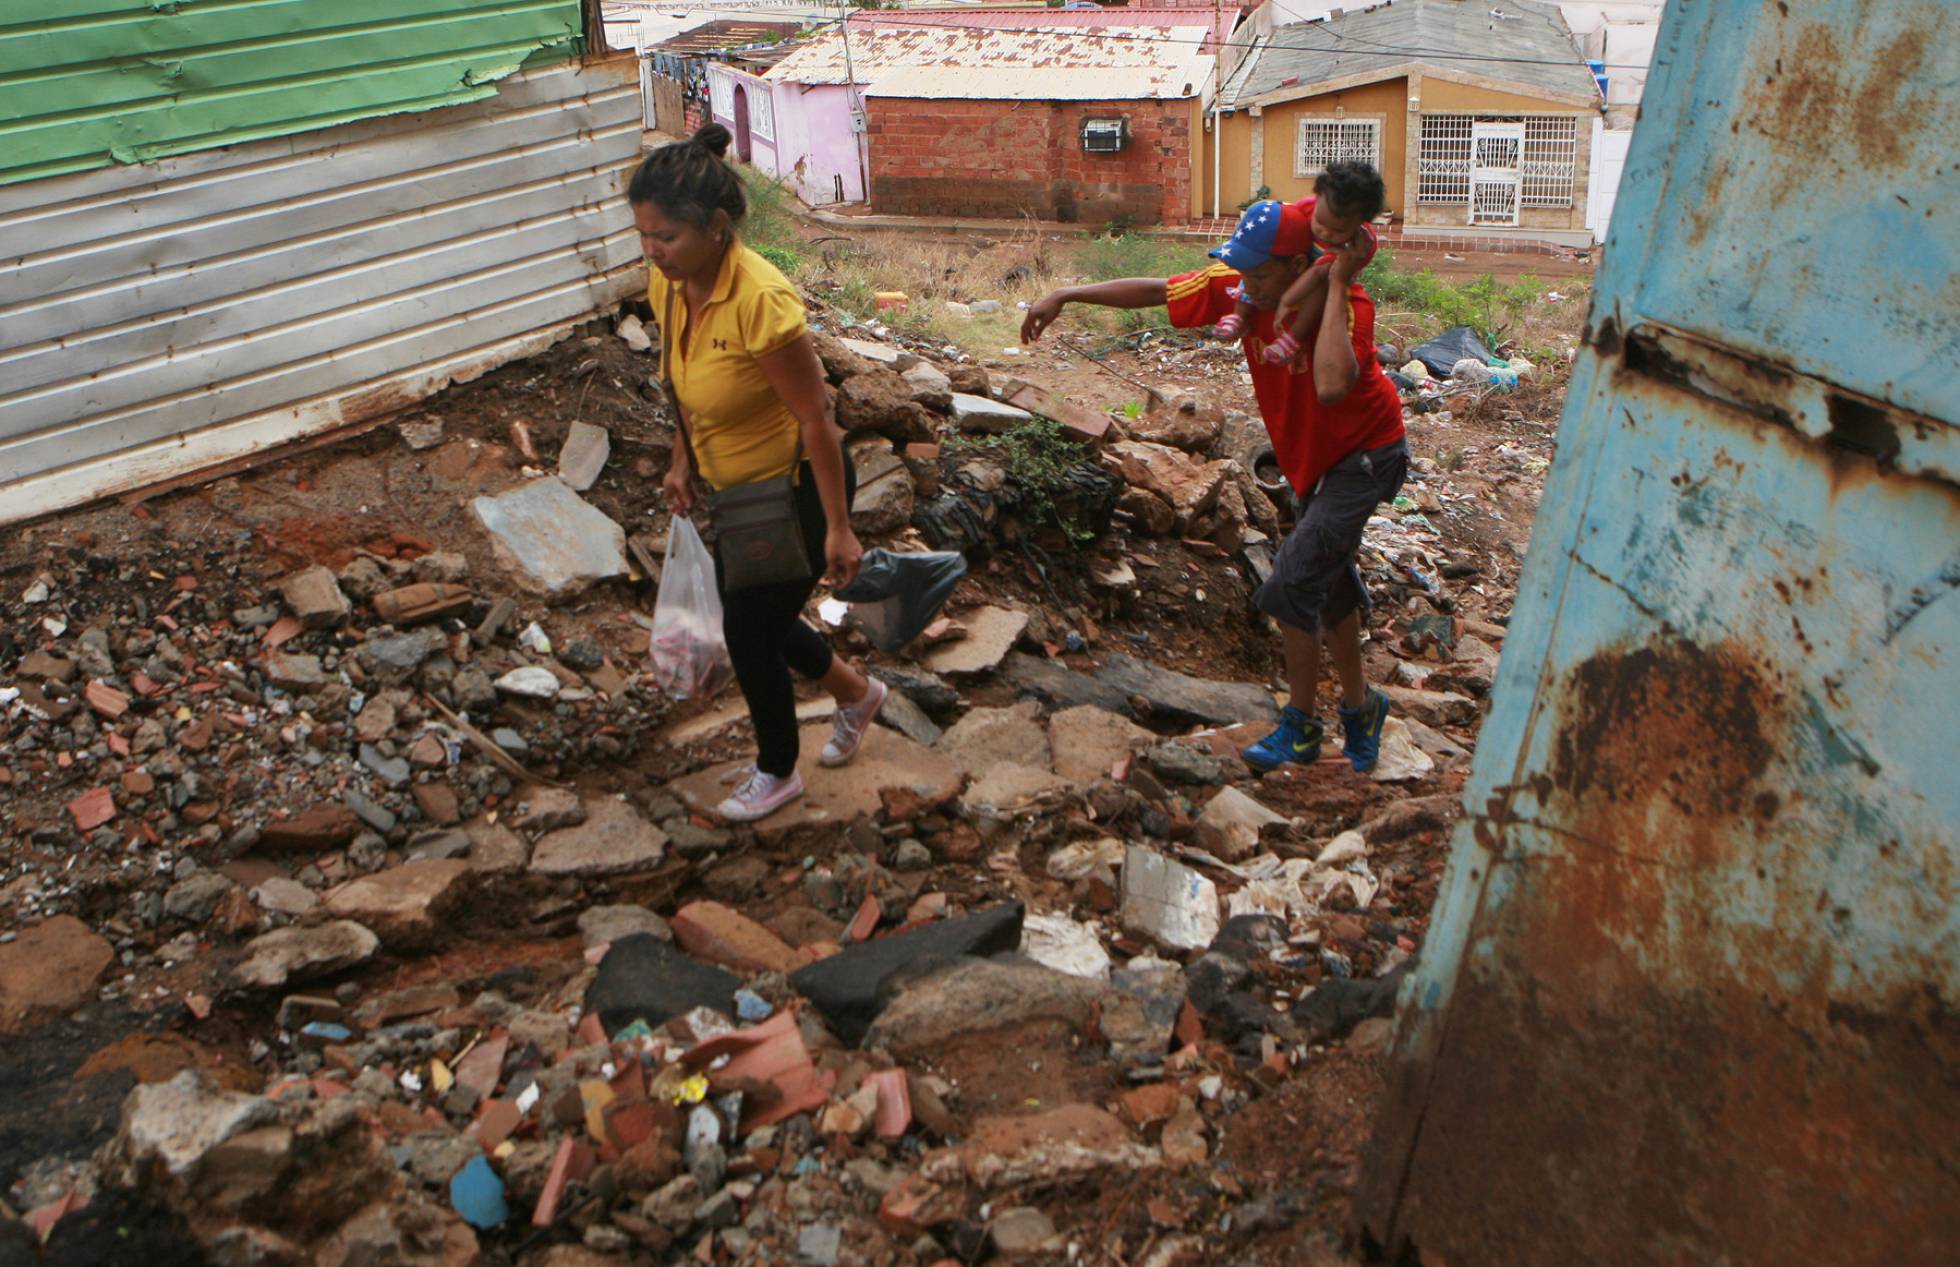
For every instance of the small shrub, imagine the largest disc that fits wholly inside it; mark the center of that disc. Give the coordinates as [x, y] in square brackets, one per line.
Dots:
[1038, 456]
[783, 257]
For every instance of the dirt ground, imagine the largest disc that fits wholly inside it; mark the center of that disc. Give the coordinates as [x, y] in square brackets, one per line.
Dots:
[1287, 1147]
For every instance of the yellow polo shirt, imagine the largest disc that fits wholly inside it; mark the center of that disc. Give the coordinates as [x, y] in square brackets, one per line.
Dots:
[742, 431]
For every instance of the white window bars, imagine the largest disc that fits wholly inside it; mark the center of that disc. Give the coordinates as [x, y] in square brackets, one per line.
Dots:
[1326, 139]
[1547, 167]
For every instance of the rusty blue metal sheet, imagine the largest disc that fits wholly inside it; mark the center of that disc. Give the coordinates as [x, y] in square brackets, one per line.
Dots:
[1690, 994]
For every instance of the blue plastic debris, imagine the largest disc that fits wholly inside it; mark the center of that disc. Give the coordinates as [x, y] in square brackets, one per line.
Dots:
[750, 1006]
[326, 1032]
[478, 1195]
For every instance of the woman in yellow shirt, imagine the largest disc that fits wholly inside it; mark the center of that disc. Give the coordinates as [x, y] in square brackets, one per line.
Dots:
[752, 398]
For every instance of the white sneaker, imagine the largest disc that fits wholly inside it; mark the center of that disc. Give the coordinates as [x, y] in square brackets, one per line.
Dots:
[760, 796]
[848, 727]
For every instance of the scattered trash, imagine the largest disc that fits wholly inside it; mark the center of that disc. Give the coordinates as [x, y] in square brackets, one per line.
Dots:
[895, 596]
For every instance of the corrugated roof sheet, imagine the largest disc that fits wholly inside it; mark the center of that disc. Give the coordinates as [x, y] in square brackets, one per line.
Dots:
[1111, 64]
[1219, 21]
[1434, 34]
[713, 37]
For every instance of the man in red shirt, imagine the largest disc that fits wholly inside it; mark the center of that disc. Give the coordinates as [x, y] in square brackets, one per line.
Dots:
[1336, 425]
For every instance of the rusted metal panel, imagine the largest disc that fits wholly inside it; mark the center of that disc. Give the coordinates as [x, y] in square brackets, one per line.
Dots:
[158, 318]
[1690, 995]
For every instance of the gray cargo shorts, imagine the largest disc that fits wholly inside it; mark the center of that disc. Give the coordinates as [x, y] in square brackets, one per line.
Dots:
[1315, 581]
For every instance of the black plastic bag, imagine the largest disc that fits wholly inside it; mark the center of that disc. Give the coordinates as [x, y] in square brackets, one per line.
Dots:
[1455, 344]
[895, 596]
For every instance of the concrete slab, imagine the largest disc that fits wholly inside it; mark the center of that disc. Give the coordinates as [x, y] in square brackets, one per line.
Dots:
[887, 759]
[554, 542]
[991, 633]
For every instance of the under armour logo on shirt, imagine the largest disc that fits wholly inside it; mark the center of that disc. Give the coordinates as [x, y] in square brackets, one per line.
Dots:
[720, 345]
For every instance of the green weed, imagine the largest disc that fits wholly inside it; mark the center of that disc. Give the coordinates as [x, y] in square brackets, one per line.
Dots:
[1038, 456]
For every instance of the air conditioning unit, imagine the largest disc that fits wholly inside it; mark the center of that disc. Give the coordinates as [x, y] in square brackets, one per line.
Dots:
[1105, 136]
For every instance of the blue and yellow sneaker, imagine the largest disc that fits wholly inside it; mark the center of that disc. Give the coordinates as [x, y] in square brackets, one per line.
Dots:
[1296, 740]
[1362, 729]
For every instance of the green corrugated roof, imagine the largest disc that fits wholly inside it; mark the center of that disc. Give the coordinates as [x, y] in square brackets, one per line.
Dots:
[84, 83]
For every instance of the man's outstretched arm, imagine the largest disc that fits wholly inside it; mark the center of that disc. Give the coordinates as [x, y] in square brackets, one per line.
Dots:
[1127, 292]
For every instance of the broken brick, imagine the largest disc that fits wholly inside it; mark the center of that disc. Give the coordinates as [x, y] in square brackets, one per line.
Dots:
[106, 699]
[92, 808]
[438, 803]
[321, 828]
[711, 931]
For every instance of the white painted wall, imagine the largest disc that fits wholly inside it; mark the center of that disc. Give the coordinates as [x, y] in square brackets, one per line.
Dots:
[1609, 159]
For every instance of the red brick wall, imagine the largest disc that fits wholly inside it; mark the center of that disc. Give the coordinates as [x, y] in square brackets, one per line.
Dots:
[1001, 159]
[697, 115]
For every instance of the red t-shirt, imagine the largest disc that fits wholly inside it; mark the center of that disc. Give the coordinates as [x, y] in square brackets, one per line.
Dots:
[1308, 437]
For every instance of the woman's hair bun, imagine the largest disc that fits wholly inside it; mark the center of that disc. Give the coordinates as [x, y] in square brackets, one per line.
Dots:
[714, 138]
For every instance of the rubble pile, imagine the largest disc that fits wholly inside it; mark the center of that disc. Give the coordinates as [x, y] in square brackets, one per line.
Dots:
[435, 870]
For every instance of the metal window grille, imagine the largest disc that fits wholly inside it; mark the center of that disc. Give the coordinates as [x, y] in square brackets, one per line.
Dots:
[721, 95]
[1551, 149]
[1329, 140]
[1546, 170]
[1443, 161]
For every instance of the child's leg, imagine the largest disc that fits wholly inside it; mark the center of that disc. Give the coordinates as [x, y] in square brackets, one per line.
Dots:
[1240, 320]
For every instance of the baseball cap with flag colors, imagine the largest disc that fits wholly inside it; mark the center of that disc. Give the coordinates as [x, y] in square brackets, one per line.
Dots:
[1265, 230]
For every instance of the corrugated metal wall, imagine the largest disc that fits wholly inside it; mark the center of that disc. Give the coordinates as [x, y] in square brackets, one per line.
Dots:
[87, 82]
[1692, 993]
[157, 318]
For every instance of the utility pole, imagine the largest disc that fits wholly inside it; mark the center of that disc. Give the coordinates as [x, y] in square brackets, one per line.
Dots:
[1217, 107]
[859, 124]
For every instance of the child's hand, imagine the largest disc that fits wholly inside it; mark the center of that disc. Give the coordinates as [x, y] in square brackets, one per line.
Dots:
[1352, 258]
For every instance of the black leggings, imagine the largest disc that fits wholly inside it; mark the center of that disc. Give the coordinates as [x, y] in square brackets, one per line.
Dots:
[767, 636]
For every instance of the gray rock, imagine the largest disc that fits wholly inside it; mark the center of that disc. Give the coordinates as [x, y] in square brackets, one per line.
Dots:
[979, 413]
[445, 842]
[1022, 1230]
[1167, 696]
[294, 672]
[192, 900]
[443, 565]
[908, 719]
[288, 954]
[434, 1157]
[1182, 763]
[928, 382]
[393, 771]
[976, 995]
[393, 660]
[314, 595]
[989, 737]
[819, 1244]
[693, 841]
[601, 925]
[929, 691]
[375, 816]
[582, 654]
[473, 690]
[911, 856]
[583, 455]
[613, 839]
[176, 1123]
[885, 501]
[554, 542]
[673, 1206]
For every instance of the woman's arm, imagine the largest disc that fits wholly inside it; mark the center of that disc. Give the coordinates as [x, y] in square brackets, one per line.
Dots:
[1127, 292]
[796, 374]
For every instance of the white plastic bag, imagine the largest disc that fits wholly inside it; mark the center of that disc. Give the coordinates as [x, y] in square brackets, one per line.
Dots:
[690, 658]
